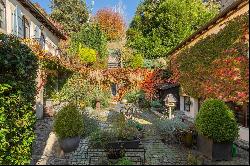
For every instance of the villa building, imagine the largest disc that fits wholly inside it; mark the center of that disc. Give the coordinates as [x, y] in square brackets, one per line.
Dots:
[189, 105]
[23, 19]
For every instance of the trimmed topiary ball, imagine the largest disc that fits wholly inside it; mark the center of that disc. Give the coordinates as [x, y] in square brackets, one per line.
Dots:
[68, 122]
[216, 121]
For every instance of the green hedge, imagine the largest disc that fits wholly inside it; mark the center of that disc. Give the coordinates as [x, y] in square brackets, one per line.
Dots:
[216, 121]
[18, 68]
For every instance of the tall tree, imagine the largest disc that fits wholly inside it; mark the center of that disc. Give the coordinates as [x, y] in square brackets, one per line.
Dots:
[70, 13]
[160, 25]
[111, 23]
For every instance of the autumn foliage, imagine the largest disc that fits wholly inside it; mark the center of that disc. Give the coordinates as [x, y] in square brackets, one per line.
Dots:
[111, 23]
[216, 66]
[229, 79]
[152, 80]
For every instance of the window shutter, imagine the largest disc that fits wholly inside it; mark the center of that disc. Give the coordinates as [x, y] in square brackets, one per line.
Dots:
[20, 28]
[14, 22]
[37, 32]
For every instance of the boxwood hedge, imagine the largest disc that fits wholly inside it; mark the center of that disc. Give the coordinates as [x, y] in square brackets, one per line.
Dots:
[18, 68]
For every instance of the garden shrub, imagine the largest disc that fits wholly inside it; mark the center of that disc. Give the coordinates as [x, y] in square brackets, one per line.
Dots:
[81, 91]
[216, 121]
[68, 122]
[155, 104]
[137, 61]
[167, 127]
[124, 161]
[123, 129]
[92, 37]
[87, 55]
[133, 96]
[100, 138]
[18, 69]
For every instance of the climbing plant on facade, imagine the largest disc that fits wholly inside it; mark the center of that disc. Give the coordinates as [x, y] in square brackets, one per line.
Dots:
[18, 71]
[216, 66]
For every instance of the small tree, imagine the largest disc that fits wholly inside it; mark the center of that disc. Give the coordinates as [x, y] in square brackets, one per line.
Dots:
[111, 23]
[70, 13]
[90, 36]
[158, 26]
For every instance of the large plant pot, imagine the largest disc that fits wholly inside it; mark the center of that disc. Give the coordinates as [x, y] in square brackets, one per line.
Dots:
[124, 144]
[214, 151]
[188, 139]
[69, 144]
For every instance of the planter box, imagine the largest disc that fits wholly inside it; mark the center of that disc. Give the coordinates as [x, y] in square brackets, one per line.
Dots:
[124, 144]
[214, 151]
[115, 153]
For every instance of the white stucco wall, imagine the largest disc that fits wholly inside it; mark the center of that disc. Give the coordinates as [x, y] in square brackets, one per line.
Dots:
[193, 107]
[49, 36]
[51, 43]
[244, 133]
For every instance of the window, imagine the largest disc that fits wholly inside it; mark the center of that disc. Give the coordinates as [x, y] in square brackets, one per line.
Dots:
[42, 41]
[37, 32]
[114, 89]
[2, 14]
[13, 22]
[241, 113]
[26, 28]
[187, 103]
[20, 27]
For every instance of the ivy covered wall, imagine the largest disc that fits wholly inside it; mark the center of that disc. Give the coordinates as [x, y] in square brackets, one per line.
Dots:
[18, 71]
[216, 66]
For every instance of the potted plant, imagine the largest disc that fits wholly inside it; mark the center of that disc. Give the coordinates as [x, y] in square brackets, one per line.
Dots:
[100, 139]
[117, 138]
[217, 129]
[127, 134]
[68, 126]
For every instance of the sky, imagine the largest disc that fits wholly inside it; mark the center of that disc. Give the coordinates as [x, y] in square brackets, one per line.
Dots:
[129, 6]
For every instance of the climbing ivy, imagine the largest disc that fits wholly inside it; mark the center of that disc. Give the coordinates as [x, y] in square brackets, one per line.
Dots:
[224, 53]
[18, 69]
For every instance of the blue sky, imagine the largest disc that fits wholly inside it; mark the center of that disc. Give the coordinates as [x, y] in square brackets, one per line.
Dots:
[130, 6]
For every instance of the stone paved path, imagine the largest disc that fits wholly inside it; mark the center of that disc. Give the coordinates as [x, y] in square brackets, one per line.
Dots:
[157, 153]
[46, 150]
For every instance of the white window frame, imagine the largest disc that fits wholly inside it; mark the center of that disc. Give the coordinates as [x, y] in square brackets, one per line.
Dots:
[3, 16]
